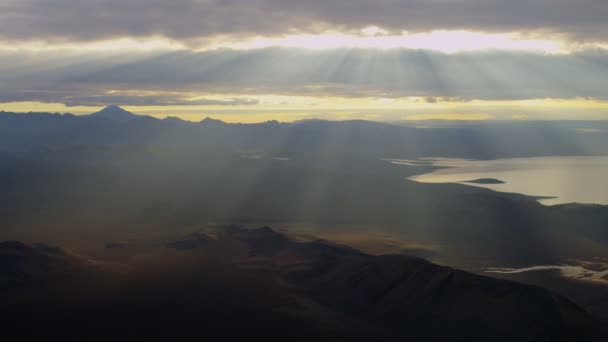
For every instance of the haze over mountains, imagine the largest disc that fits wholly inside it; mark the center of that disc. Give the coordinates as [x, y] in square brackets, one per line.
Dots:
[129, 191]
[502, 139]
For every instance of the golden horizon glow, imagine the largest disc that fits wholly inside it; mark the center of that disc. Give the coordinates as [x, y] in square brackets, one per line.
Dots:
[449, 117]
[291, 108]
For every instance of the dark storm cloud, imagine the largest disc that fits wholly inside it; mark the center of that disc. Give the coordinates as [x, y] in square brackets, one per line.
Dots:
[175, 78]
[204, 19]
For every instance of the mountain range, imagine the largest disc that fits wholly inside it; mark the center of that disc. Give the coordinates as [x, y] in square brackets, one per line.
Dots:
[139, 196]
[319, 289]
[481, 140]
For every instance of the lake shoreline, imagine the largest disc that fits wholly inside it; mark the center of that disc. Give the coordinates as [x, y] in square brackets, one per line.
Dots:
[550, 180]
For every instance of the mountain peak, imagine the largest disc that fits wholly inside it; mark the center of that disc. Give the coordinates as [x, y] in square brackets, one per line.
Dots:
[116, 113]
[174, 120]
[211, 121]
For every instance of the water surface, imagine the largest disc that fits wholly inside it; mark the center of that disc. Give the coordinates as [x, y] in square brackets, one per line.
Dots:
[559, 179]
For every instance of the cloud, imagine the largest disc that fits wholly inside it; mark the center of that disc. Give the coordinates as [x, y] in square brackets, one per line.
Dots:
[72, 97]
[186, 78]
[203, 20]
[150, 100]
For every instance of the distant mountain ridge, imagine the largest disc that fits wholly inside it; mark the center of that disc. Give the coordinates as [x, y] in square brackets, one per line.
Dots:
[368, 139]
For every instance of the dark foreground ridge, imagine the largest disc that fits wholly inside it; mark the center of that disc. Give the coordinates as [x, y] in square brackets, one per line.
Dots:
[261, 283]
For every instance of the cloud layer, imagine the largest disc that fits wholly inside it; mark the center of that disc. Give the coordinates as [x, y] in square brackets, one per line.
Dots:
[179, 78]
[200, 20]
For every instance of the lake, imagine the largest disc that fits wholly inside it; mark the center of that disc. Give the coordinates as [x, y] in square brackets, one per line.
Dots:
[560, 179]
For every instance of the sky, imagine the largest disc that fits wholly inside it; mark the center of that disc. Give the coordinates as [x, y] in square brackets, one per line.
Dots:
[258, 60]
